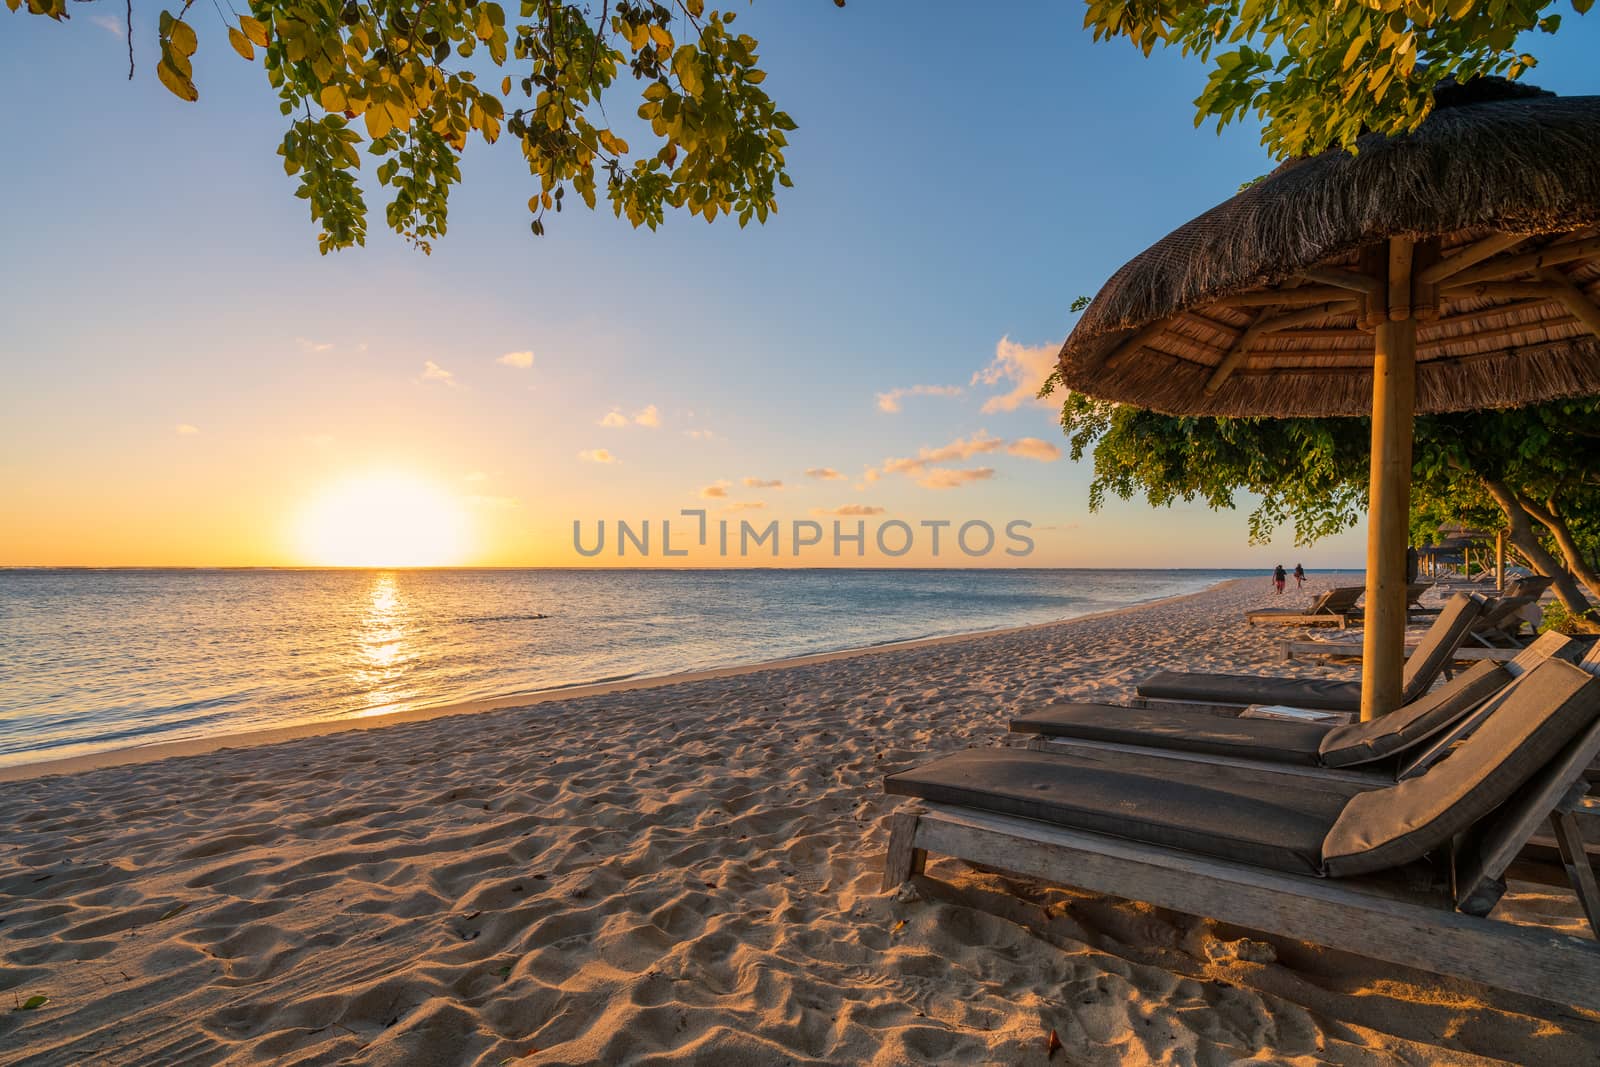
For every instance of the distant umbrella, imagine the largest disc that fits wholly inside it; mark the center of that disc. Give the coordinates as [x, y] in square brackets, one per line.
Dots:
[1450, 269]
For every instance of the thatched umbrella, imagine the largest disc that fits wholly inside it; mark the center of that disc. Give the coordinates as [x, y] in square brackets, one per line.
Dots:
[1450, 269]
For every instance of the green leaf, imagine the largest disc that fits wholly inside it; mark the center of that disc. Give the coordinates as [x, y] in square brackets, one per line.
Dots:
[33, 1003]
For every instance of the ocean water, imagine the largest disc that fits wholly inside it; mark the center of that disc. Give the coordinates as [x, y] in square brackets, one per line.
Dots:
[92, 660]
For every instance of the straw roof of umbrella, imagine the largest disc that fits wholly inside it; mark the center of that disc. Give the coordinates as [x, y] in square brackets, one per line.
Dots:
[1265, 305]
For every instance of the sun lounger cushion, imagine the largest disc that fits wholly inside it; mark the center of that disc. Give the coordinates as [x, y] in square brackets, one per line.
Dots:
[1324, 694]
[1549, 706]
[1439, 644]
[1365, 742]
[1275, 740]
[1263, 825]
[1422, 668]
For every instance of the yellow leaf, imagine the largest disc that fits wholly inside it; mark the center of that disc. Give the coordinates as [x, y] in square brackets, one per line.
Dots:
[240, 43]
[505, 85]
[1354, 51]
[182, 38]
[333, 99]
[612, 143]
[253, 30]
[378, 123]
[181, 87]
[696, 7]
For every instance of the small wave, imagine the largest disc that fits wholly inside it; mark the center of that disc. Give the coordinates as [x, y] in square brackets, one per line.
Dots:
[502, 618]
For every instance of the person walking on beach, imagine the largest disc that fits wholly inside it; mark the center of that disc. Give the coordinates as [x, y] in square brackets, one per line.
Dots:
[1279, 576]
[1299, 576]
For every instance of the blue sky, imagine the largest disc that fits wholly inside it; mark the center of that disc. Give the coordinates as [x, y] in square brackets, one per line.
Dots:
[961, 175]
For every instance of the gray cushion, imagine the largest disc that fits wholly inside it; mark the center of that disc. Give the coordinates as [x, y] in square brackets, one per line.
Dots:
[1422, 668]
[1264, 825]
[1272, 740]
[1439, 644]
[1364, 742]
[1543, 712]
[1320, 693]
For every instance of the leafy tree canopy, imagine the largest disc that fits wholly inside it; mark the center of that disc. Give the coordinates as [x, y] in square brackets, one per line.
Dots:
[1320, 72]
[1533, 472]
[401, 78]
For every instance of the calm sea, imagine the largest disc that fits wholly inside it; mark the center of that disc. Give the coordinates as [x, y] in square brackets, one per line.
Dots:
[93, 660]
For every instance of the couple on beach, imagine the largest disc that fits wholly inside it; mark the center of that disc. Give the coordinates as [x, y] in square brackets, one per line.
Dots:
[1280, 577]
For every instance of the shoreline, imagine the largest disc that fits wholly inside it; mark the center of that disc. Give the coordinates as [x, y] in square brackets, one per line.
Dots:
[198, 746]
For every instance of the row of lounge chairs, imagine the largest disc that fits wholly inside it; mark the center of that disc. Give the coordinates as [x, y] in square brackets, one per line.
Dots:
[1391, 838]
[1337, 607]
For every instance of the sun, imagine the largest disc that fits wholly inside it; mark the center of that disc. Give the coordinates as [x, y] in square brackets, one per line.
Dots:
[383, 520]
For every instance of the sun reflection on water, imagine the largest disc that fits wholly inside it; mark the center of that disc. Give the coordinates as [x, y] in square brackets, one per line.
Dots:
[383, 654]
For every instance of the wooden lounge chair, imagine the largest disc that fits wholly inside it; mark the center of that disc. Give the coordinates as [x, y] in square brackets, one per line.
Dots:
[1336, 607]
[1497, 630]
[1501, 625]
[1225, 692]
[1380, 752]
[1534, 585]
[1406, 874]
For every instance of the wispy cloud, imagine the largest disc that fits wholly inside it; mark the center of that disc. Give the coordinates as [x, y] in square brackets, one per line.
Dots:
[762, 483]
[826, 474]
[979, 443]
[946, 478]
[928, 468]
[114, 26]
[1020, 368]
[598, 455]
[890, 401]
[649, 415]
[520, 360]
[715, 491]
[184, 429]
[850, 510]
[308, 345]
[432, 372]
[746, 505]
[700, 435]
[1034, 448]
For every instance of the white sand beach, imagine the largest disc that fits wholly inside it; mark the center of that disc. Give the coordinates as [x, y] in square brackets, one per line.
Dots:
[684, 873]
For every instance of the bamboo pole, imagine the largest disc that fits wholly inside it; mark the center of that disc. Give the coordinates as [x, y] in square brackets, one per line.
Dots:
[1500, 561]
[1469, 256]
[1394, 387]
[1264, 325]
[1549, 256]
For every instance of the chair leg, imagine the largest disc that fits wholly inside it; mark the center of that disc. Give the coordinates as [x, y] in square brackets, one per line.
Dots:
[904, 858]
[1569, 839]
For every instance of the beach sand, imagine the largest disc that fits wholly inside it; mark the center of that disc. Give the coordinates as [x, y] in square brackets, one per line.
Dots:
[671, 873]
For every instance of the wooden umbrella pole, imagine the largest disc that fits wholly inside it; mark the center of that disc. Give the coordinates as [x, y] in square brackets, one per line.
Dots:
[1394, 388]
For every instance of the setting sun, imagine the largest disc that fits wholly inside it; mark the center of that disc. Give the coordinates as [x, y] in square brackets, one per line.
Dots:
[383, 520]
